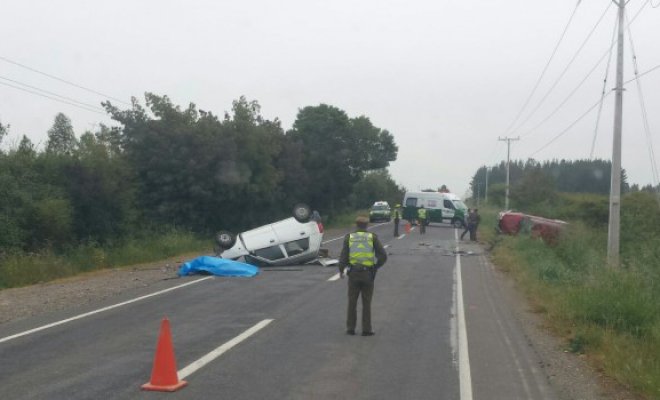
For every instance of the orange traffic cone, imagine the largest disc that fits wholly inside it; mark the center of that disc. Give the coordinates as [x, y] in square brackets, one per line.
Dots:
[408, 227]
[164, 377]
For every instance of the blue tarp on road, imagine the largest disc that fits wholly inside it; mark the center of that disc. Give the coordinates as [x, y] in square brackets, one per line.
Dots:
[217, 266]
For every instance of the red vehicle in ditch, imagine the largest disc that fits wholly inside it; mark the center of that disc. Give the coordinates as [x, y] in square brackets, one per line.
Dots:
[512, 223]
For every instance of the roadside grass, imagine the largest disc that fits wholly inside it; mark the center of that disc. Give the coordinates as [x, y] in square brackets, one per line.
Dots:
[19, 269]
[612, 315]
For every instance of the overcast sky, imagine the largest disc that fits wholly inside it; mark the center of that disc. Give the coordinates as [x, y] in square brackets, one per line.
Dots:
[445, 77]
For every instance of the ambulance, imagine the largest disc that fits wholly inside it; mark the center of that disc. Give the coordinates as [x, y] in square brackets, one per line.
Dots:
[441, 207]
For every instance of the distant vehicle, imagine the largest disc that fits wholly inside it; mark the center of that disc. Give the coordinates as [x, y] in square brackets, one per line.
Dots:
[380, 211]
[512, 223]
[292, 241]
[441, 207]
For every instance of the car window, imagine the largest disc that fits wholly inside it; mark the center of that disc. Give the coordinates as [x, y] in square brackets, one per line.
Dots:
[380, 208]
[270, 253]
[411, 202]
[296, 246]
[460, 204]
[449, 204]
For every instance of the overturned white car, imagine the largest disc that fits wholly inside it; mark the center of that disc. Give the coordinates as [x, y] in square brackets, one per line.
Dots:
[291, 241]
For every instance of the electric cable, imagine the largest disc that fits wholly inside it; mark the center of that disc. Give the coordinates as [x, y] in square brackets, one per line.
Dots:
[600, 60]
[64, 80]
[554, 85]
[569, 127]
[570, 95]
[645, 118]
[52, 98]
[53, 94]
[602, 95]
[640, 75]
[545, 69]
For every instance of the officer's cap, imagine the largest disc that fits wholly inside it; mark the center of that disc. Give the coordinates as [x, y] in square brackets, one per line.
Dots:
[361, 221]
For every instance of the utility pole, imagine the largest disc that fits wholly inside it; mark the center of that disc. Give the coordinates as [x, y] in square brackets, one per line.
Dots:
[508, 154]
[486, 189]
[614, 226]
[478, 194]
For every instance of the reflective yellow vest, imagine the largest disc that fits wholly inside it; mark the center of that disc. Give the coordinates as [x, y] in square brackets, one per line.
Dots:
[421, 213]
[361, 249]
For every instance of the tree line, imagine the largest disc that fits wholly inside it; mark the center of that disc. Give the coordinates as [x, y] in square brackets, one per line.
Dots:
[167, 166]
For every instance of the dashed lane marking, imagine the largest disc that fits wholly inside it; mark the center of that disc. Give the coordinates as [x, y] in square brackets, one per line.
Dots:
[196, 365]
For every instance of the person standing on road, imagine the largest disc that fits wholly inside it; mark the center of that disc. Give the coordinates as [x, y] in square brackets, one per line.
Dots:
[362, 254]
[466, 223]
[476, 219]
[422, 219]
[397, 218]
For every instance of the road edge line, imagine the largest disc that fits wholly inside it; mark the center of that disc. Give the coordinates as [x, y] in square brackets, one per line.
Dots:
[464, 375]
[100, 310]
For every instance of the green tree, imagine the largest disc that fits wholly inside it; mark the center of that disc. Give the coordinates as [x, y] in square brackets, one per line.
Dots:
[61, 138]
[100, 186]
[4, 130]
[376, 186]
[338, 151]
[197, 171]
[534, 191]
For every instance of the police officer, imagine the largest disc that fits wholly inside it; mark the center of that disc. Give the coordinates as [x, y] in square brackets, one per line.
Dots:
[361, 256]
[421, 217]
[397, 218]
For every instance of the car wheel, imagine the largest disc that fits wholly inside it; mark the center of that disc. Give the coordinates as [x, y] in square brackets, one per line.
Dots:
[302, 212]
[457, 223]
[225, 240]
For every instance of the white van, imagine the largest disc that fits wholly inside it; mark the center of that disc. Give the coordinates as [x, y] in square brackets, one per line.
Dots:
[442, 207]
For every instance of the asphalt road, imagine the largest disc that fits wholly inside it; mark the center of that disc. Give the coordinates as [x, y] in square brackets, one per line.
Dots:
[443, 331]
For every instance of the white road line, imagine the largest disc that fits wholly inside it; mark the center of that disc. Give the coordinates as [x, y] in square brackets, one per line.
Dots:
[100, 310]
[196, 365]
[334, 277]
[463, 353]
[386, 246]
[332, 240]
[341, 237]
[401, 236]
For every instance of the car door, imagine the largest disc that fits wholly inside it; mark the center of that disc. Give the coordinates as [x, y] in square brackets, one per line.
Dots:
[448, 209]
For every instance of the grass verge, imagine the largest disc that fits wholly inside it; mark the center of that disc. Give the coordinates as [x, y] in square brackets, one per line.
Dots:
[19, 269]
[612, 315]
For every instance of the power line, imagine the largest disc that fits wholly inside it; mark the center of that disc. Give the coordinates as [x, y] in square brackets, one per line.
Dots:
[538, 81]
[63, 80]
[53, 94]
[642, 74]
[607, 53]
[570, 95]
[52, 98]
[645, 118]
[602, 95]
[569, 127]
[577, 53]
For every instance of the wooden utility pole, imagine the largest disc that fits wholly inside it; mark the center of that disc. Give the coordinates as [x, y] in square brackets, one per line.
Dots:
[486, 189]
[508, 160]
[614, 226]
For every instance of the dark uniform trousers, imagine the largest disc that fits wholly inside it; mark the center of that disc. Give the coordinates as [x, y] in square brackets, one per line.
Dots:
[360, 282]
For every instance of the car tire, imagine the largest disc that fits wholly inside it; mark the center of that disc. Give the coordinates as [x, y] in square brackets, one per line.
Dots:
[458, 224]
[225, 240]
[302, 212]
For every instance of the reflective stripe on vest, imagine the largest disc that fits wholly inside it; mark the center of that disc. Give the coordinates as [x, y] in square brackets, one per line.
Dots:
[361, 249]
[421, 213]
